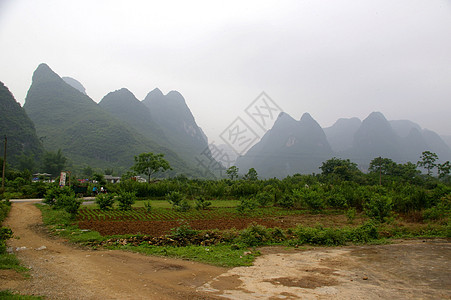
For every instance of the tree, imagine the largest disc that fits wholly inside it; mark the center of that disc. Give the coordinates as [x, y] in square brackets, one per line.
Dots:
[427, 161]
[444, 169]
[149, 163]
[54, 163]
[344, 168]
[382, 166]
[251, 174]
[232, 172]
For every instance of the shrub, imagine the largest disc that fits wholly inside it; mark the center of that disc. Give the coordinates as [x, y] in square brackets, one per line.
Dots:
[184, 231]
[148, 206]
[105, 201]
[126, 199]
[254, 235]
[264, 198]
[277, 234]
[69, 203]
[54, 192]
[350, 214]
[379, 208]
[247, 204]
[313, 199]
[201, 203]
[178, 201]
[319, 236]
[5, 233]
[336, 199]
[5, 206]
[286, 201]
[364, 233]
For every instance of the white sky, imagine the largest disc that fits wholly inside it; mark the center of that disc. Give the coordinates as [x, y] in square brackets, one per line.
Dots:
[337, 58]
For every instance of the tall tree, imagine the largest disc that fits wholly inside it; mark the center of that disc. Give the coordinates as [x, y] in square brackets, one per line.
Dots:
[427, 161]
[251, 174]
[149, 163]
[344, 168]
[232, 172]
[444, 169]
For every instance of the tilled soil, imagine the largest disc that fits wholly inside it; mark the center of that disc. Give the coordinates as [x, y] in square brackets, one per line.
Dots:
[407, 270]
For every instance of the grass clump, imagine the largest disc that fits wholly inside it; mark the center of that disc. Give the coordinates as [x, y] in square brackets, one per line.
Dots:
[14, 296]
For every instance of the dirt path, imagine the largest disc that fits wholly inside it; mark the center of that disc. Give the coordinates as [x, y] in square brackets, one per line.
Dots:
[63, 272]
[407, 270]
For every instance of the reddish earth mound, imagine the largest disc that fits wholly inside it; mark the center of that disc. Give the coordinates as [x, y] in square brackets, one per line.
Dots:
[158, 228]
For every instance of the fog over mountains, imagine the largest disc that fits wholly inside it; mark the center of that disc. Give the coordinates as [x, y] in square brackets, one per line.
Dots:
[58, 114]
[301, 146]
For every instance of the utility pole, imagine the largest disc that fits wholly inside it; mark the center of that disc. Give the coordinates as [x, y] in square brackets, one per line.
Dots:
[4, 166]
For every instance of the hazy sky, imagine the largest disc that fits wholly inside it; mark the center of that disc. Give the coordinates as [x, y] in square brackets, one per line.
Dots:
[332, 58]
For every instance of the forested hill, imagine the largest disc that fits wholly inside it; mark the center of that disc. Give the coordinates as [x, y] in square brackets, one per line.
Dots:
[174, 117]
[88, 135]
[23, 143]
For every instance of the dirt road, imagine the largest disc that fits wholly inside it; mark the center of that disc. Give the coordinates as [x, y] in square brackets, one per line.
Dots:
[63, 272]
[407, 270]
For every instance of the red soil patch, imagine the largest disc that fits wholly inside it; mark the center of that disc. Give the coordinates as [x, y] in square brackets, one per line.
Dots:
[158, 228]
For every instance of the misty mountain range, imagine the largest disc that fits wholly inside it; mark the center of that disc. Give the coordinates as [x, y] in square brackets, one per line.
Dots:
[58, 114]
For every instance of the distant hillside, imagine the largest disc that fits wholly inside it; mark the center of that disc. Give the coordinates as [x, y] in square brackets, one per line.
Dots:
[446, 139]
[19, 129]
[375, 137]
[341, 135]
[124, 106]
[87, 134]
[289, 147]
[399, 140]
[177, 122]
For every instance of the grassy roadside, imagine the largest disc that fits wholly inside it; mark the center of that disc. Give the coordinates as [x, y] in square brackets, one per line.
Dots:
[238, 248]
[14, 296]
[7, 260]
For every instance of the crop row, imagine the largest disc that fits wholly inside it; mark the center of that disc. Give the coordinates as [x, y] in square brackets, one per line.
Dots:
[155, 214]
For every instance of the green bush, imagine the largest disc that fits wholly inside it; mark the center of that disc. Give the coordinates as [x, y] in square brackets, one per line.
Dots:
[105, 201]
[69, 203]
[54, 192]
[264, 198]
[319, 236]
[5, 206]
[201, 203]
[313, 199]
[178, 201]
[254, 235]
[364, 233]
[184, 231]
[246, 205]
[148, 206]
[379, 208]
[286, 201]
[350, 214]
[5, 233]
[126, 200]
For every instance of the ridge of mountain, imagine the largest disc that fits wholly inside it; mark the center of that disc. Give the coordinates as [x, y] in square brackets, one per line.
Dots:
[174, 117]
[75, 84]
[87, 134]
[341, 134]
[289, 147]
[18, 128]
[126, 107]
